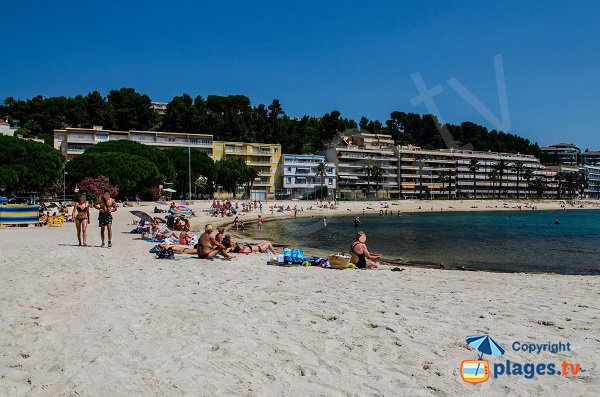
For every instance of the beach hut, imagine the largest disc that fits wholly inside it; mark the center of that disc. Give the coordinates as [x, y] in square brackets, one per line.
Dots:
[19, 214]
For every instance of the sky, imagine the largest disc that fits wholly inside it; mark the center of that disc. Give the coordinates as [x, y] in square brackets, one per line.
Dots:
[361, 58]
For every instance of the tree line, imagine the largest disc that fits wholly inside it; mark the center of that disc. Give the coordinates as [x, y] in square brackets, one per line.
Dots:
[235, 118]
[130, 168]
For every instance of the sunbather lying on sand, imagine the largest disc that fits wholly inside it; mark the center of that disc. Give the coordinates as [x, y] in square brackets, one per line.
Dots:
[263, 246]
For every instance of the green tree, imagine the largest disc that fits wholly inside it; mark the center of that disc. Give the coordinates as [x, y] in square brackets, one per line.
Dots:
[474, 167]
[28, 166]
[230, 174]
[201, 165]
[420, 164]
[367, 169]
[500, 166]
[132, 174]
[519, 168]
[129, 110]
[527, 175]
[180, 115]
[154, 155]
[539, 185]
[559, 178]
[249, 175]
[443, 177]
[493, 177]
[377, 172]
[321, 173]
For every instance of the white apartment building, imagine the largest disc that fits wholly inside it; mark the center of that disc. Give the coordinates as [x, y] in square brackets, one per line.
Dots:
[74, 141]
[298, 175]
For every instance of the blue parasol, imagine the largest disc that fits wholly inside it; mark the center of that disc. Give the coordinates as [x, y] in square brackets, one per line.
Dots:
[485, 345]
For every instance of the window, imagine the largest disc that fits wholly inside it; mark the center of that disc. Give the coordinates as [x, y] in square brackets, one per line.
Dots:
[289, 179]
[274, 150]
[330, 181]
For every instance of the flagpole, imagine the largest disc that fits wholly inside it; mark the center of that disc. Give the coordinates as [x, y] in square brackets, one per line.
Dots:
[190, 174]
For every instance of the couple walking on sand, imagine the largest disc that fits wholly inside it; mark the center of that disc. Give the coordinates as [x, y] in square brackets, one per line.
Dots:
[106, 205]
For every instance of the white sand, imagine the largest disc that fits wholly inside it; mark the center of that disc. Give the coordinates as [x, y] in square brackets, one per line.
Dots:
[116, 322]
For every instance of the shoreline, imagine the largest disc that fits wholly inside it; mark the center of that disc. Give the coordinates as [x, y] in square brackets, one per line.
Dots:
[394, 205]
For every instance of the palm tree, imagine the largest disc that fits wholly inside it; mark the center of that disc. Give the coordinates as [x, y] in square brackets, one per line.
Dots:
[539, 186]
[528, 174]
[400, 173]
[367, 168]
[376, 173]
[443, 178]
[518, 167]
[474, 167]
[500, 166]
[419, 163]
[570, 181]
[493, 176]
[322, 173]
[560, 177]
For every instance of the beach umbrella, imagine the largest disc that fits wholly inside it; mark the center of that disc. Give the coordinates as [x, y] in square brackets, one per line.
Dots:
[143, 216]
[485, 345]
[181, 210]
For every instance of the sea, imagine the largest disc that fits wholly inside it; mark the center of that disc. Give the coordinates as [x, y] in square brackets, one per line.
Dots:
[512, 241]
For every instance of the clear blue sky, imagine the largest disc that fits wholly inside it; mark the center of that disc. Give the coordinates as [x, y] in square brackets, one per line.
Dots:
[354, 56]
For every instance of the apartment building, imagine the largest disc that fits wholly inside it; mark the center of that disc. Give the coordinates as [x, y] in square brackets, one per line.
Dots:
[159, 107]
[352, 158]
[463, 173]
[298, 175]
[74, 141]
[413, 172]
[567, 153]
[590, 157]
[264, 157]
[592, 176]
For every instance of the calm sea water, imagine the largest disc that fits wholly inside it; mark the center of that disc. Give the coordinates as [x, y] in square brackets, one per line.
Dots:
[510, 241]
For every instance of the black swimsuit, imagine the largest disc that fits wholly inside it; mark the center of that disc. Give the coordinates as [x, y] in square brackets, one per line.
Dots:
[362, 259]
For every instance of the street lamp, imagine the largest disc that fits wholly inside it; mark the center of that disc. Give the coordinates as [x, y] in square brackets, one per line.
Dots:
[65, 173]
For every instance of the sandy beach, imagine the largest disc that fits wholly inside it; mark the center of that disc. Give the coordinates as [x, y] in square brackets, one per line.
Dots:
[117, 322]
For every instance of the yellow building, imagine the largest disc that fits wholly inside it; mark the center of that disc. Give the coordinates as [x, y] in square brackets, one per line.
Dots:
[264, 157]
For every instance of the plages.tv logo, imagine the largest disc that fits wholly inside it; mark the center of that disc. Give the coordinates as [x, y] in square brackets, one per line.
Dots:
[478, 371]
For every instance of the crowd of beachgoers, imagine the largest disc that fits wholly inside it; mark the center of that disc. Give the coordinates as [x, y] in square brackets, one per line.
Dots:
[170, 230]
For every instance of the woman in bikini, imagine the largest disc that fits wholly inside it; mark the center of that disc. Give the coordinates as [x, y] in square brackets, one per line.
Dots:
[81, 215]
[360, 255]
[262, 247]
[208, 247]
